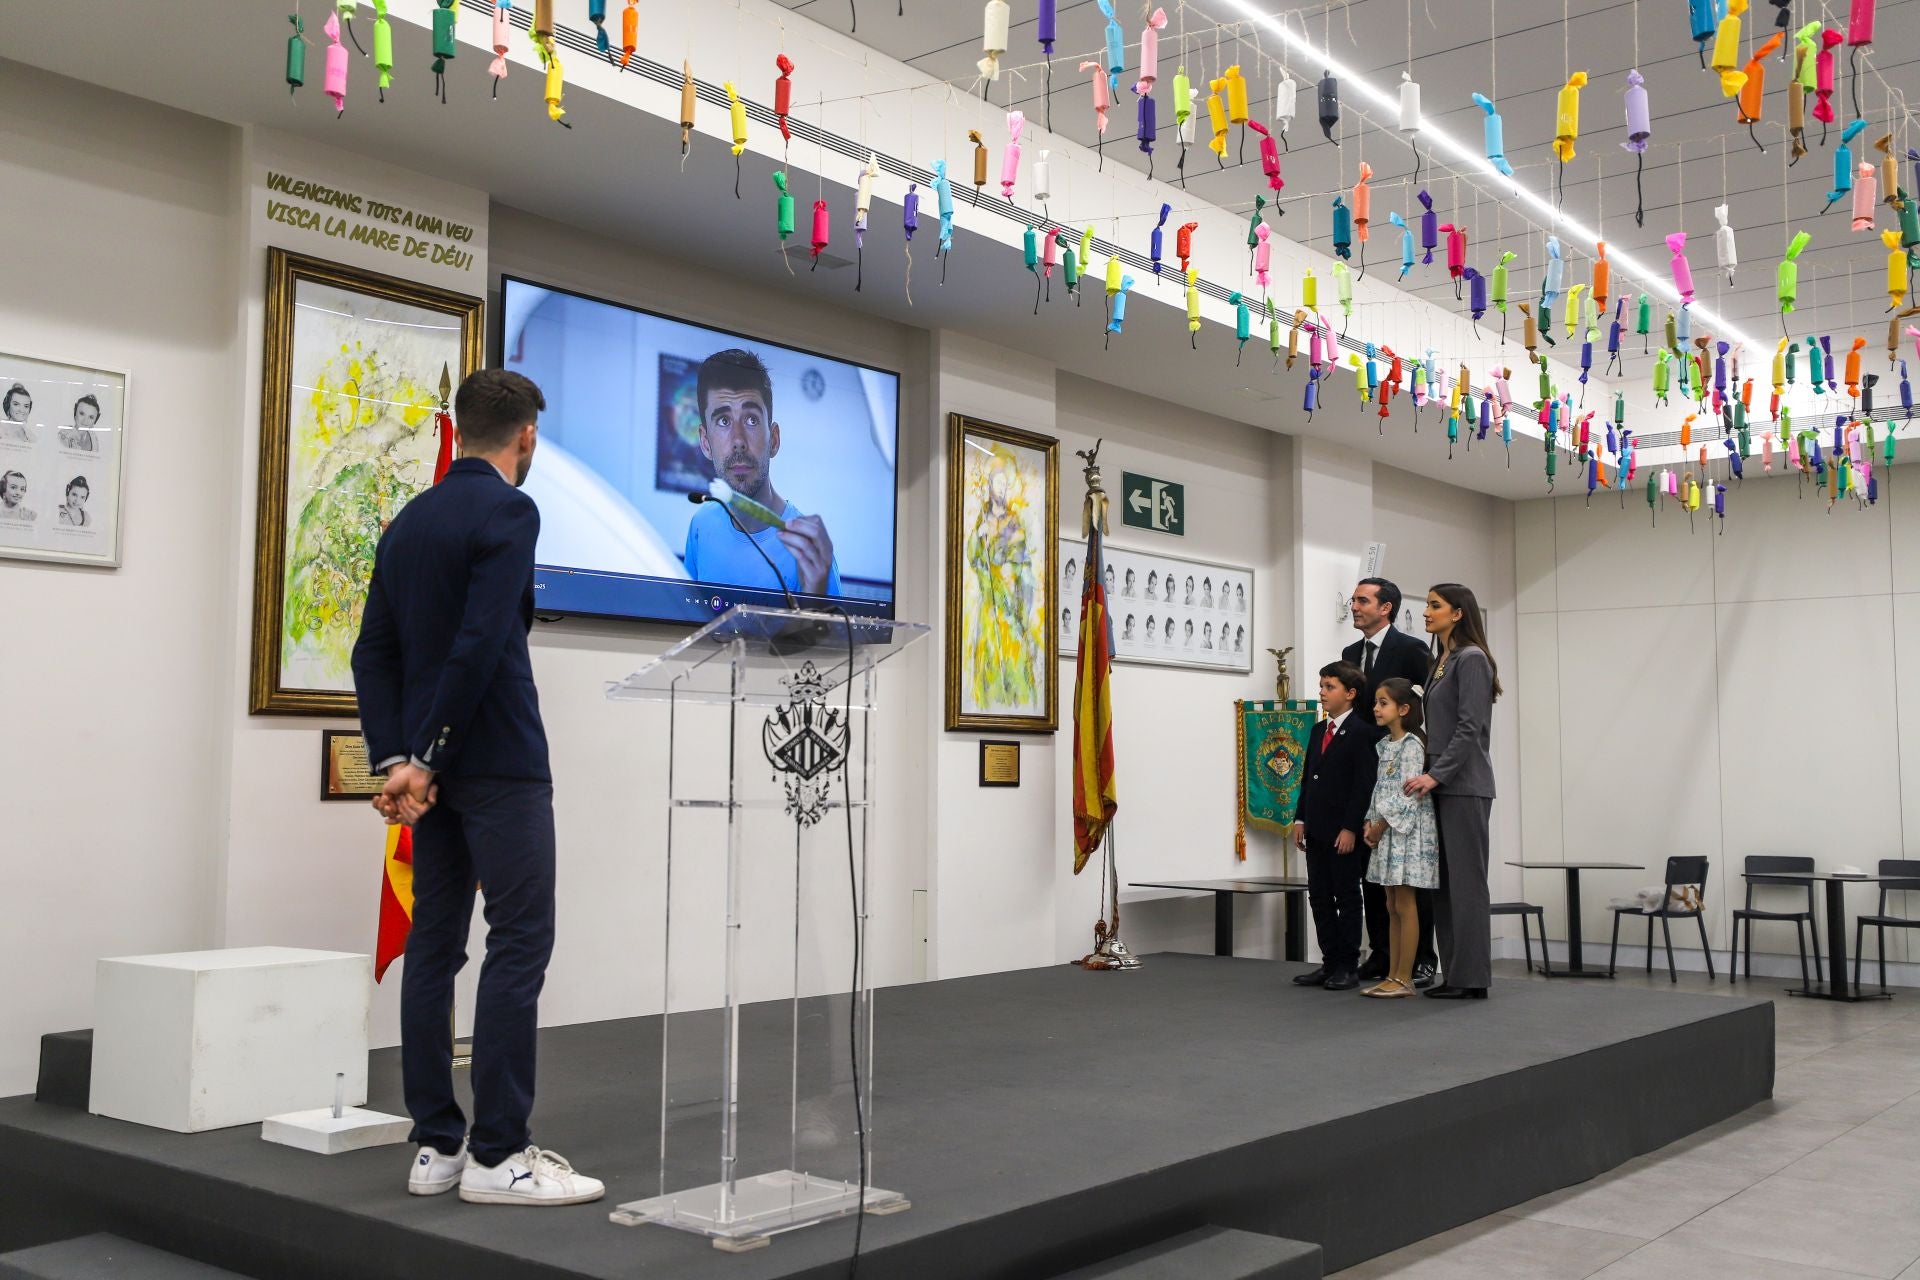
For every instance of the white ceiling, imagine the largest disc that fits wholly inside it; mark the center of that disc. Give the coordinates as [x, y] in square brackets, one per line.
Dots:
[1457, 45]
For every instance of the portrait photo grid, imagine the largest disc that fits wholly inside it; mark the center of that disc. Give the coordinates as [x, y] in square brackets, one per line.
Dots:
[1166, 610]
[60, 445]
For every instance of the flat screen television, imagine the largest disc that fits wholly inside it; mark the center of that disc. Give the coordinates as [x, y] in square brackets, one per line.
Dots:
[644, 410]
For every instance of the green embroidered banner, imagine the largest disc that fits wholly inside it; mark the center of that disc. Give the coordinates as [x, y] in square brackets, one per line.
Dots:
[1272, 738]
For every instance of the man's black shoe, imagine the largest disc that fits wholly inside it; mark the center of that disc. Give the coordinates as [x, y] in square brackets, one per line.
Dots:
[1318, 978]
[1375, 968]
[1455, 993]
[1423, 976]
[1344, 980]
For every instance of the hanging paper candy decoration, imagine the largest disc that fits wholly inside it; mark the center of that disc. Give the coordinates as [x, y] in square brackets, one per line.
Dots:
[910, 223]
[1429, 227]
[1682, 271]
[1639, 130]
[1183, 245]
[1117, 307]
[1242, 324]
[1183, 96]
[1889, 170]
[1010, 159]
[1725, 252]
[1363, 210]
[1269, 157]
[336, 74]
[1800, 86]
[1853, 367]
[1328, 102]
[1310, 291]
[1343, 291]
[445, 45]
[1043, 178]
[1148, 132]
[1703, 20]
[346, 10]
[498, 67]
[1567, 121]
[1046, 31]
[994, 25]
[862, 207]
[1342, 228]
[1456, 253]
[1263, 255]
[1149, 51]
[1159, 238]
[1116, 46]
[943, 193]
[1217, 117]
[822, 235]
[1843, 164]
[1726, 50]
[979, 163]
[1909, 221]
[629, 32]
[1406, 243]
[783, 208]
[1496, 135]
[1787, 277]
[783, 96]
[1500, 289]
[1237, 103]
[1755, 86]
[1476, 293]
[296, 54]
[1193, 307]
[597, 15]
[1823, 79]
[1573, 308]
[737, 114]
[383, 45]
[1286, 102]
[1613, 333]
[1254, 227]
[541, 31]
[556, 89]
[1661, 375]
[1602, 277]
[1410, 116]
[1860, 15]
[1866, 192]
[1102, 104]
[687, 98]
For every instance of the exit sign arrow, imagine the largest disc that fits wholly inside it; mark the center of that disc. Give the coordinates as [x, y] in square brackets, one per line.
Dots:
[1159, 505]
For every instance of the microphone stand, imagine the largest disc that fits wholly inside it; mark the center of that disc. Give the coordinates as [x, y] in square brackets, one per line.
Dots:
[804, 635]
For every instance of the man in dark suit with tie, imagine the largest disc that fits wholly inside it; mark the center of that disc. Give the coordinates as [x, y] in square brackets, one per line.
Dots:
[1335, 793]
[450, 715]
[1384, 652]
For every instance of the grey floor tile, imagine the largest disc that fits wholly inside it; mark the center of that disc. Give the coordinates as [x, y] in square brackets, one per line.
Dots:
[1665, 1260]
[1497, 1248]
[1644, 1198]
[1872, 1154]
[1872, 1230]
[1760, 1141]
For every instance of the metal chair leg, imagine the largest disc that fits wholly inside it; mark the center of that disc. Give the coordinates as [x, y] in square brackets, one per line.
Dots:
[1859, 939]
[1749, 952]
[1546, 955]
[1813, 931]
[1733, 953]
[1613, 952]
[1649, 946]
[1700, 919]
[1526, 941]
[1800, 937]
[1881, 947]
[1666, 932]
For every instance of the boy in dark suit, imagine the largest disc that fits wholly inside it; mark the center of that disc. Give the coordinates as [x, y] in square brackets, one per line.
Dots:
[1334, 796]
[1384, 652]
[450, 715]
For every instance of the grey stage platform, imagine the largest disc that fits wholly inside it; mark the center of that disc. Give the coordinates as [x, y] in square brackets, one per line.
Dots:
[1040, 1121]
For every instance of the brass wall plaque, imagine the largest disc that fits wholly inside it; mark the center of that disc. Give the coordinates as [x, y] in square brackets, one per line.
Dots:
[999, 764]
[344, 772]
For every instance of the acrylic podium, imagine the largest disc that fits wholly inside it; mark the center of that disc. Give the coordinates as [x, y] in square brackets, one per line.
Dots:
[764, 727]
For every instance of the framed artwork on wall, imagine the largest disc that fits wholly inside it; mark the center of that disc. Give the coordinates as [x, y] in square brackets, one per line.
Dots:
[1167, 610]
[63, 445]
[353, 365]
[1003, 639]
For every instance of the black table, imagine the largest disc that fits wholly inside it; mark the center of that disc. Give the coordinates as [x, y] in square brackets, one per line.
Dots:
[1839, 983]
[1576, 960]
[1295, 887]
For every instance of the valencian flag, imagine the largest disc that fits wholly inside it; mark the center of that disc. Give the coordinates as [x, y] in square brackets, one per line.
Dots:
[1095, 794]
[396, 877]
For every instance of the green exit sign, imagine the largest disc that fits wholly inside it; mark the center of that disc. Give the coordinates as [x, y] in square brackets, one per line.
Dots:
[1146, 503]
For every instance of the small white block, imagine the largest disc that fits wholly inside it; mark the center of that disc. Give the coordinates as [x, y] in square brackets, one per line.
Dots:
[321, 1132]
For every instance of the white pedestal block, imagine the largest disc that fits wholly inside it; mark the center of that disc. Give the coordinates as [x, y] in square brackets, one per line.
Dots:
[324, 1133]
[208, 1039]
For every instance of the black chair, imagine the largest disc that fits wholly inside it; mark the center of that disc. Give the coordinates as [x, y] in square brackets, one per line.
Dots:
[1880, 920]
[1523, 910]
[1686, 870]
[1756, 866]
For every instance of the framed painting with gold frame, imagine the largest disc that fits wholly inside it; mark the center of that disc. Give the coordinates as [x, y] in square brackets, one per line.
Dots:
[1003, 628]
[353, 376]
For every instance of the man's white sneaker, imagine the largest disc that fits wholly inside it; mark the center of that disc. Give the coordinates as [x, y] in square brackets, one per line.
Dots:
[532, 1177]
[434, 1173]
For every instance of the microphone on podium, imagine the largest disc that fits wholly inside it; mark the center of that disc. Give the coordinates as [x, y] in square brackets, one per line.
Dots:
[696, 498]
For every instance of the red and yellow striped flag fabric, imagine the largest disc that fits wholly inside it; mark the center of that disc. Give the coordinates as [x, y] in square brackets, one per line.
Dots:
[396, 900]
[1095, 791]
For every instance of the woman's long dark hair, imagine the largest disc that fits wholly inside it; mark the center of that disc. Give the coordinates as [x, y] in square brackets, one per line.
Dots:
[1402, 693]
[1470, 629]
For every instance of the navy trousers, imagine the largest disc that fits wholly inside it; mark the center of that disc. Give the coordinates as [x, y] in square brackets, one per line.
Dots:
[497, 833]
[1333, 893]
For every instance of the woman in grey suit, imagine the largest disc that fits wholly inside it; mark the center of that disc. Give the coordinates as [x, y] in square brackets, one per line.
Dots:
[1460, 695]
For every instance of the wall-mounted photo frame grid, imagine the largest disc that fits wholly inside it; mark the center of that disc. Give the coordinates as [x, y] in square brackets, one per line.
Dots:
[1168, 611]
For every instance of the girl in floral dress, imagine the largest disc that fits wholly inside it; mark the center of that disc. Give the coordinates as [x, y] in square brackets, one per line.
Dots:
[1400, 829]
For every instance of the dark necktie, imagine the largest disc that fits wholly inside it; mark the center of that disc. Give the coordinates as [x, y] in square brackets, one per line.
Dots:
[1366, 662]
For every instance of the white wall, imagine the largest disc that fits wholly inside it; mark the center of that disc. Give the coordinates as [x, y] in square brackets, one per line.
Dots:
[1698, 693]
[115, 681]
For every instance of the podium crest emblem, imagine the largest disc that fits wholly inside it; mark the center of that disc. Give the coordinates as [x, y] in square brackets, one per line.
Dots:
[806, 741]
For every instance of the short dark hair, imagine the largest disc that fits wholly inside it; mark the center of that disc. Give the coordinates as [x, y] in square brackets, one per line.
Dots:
[492, 405]
[1346, 673]
[1389, 595]
[87, 399]
[734, 369]
[80, 483]
[17, 389]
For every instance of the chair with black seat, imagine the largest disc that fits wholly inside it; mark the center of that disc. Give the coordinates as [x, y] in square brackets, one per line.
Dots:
[1523, 910]
[1682, 871]
[1757, 866]
[1908, 869]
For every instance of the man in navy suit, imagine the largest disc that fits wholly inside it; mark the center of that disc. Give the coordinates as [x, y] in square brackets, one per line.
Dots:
[1384, 652]
[1335, 795]
[450, 715]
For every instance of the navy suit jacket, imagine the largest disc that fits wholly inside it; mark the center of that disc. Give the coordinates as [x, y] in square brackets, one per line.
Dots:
[1395, 654]
[441, 666]
[1337, 790]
